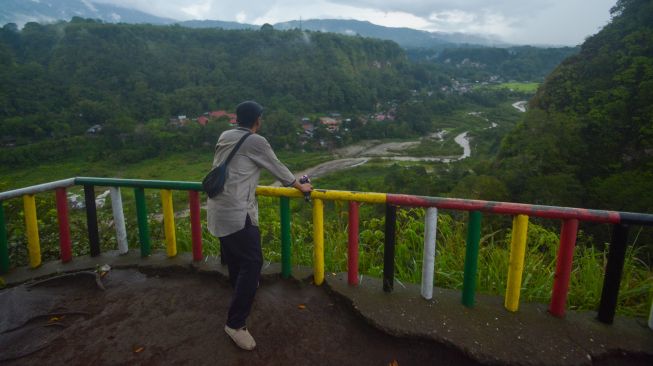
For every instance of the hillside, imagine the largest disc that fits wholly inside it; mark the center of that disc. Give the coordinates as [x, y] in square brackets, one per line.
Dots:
[59, 80]
[521, 63]
[405, 37]
[588, 136]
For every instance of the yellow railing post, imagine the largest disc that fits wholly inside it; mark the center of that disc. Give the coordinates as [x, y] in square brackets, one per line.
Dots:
[169, 222]
[318, 239]
[516, 266]
[33, 244]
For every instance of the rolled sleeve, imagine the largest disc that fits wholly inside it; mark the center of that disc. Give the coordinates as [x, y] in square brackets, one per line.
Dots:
[264, 157]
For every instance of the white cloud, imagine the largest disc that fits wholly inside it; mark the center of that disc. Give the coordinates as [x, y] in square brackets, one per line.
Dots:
[487, 23]
[89, 5]
[197, 10]
[538, 21]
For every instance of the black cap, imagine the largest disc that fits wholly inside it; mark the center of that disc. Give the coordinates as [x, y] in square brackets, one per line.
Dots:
[247, 112]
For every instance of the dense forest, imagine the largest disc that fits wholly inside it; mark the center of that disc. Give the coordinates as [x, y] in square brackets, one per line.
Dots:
[588, 136]
[85, 72]
[59, 80]
[521, 63]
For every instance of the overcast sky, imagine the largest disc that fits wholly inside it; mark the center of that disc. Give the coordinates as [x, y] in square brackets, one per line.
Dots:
[558, 22]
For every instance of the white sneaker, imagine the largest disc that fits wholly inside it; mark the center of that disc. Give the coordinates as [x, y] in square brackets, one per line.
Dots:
[241, 337]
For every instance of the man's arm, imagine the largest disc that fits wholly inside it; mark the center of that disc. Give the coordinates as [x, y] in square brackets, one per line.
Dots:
[264, 156]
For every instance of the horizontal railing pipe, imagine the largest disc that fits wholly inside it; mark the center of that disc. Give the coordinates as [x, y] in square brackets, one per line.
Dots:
[45, 187]
[506, 208]
[330, 195]
[140, 183]
[509, 208]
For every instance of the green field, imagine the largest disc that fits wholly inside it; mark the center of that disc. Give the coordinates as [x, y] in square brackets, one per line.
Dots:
[189, 166]
[529, 88]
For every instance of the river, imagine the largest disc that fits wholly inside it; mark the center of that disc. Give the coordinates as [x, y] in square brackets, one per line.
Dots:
[360, 153]
[520, 106]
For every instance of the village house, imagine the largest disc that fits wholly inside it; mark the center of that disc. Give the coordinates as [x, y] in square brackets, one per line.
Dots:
[203, 120]
[308, 127]
[94, 130]
[222, 113]
[179, 121]
[331, 124]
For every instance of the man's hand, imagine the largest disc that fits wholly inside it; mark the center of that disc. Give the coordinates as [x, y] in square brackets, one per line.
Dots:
[305, 188]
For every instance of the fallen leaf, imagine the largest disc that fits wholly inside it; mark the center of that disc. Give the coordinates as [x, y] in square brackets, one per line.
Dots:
[139, 349]
[54, 319]
[301, 306]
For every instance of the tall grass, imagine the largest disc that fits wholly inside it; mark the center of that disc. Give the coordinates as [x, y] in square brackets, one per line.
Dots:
[539, 265]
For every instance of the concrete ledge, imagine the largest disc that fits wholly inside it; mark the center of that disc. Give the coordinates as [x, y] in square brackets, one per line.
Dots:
[487, 332]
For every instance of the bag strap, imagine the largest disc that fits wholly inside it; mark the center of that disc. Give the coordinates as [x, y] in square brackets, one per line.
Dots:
[233, 151]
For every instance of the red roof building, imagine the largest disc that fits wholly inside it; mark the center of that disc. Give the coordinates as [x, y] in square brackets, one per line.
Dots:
[203, 120]
[331, 124]
[222, 113]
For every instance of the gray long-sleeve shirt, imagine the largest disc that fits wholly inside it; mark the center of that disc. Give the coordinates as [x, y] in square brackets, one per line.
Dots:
[227, 211]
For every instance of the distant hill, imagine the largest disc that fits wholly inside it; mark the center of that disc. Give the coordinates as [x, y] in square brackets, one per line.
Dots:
[519, 63]
[588, 136]
[48, 11]
[217, 24]
[405, 37]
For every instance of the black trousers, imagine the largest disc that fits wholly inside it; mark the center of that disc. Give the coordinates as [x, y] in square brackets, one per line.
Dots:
[242, 253]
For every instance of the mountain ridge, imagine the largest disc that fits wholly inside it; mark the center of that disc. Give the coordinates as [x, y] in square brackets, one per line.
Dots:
[21, 12]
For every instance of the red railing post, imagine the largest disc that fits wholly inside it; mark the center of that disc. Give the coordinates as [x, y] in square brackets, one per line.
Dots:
[64, 226]
[195, 224]
[352, 247]
[563, 267]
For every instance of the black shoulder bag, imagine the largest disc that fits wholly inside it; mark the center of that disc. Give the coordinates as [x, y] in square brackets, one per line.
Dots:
[213, 183]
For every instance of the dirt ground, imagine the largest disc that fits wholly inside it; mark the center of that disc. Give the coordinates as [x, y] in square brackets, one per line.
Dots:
[178, 319]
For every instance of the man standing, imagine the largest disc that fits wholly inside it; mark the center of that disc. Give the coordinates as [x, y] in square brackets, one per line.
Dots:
[233, 214]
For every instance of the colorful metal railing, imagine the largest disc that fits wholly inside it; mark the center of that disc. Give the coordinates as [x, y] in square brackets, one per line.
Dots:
[570, 218]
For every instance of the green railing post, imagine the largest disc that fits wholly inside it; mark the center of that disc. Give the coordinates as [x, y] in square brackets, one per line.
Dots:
[4, 246]
[471, 258]
[143, 229]
[284, 206]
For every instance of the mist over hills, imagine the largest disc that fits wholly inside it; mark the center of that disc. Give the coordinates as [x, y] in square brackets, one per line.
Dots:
[48, 11]
[21, 12]
[405, 37]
